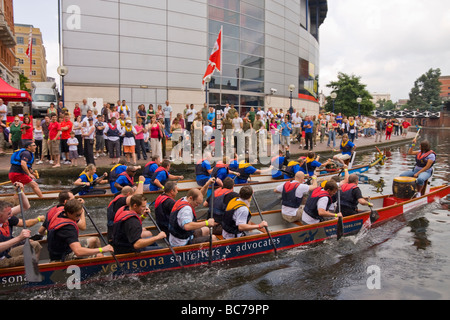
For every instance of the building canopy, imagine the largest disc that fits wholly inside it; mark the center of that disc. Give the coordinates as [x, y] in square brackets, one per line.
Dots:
[9, 93]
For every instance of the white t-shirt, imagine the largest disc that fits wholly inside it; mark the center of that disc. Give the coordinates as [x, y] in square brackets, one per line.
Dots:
[129, 141]
[190, 114]
[237, 123]
[73, 141]
[185, 216]
[299, 192]
[240, 216]
[4, 108]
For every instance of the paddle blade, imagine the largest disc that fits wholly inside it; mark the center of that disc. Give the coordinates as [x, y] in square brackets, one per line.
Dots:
[31, 263]
[374, 216]
[340, 228]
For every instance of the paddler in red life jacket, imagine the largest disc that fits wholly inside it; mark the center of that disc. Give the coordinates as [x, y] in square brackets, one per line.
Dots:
[164, 204]
[351, 196]
[63, 242]
[150, 169]
[128, 234]
[425, 160]
[120, 200]
[161, 175]
[11, 250]
[183, 225]
[126, 178]
[236, 220]
[294, 196]
[63, 197]
[318, 204]
[221, 198]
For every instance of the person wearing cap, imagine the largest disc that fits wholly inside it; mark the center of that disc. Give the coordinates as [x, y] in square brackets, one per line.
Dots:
[88, 136]
[129, 144]
[20, 171]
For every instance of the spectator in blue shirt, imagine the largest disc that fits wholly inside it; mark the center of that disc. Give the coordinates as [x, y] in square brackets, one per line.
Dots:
[286, 129]
[210, 117]
[308, 127]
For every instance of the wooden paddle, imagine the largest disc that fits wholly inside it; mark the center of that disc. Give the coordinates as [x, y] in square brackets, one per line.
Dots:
[340, 224]
[103, 239]
[177, 258]
[211, 211]
[267, 229]
[29, 256]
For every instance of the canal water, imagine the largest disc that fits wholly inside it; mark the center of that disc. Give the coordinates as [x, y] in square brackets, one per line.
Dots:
[409, 256]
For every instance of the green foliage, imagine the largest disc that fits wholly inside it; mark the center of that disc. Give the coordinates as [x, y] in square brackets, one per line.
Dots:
[23, 82]
[348, 89]
[426, 91]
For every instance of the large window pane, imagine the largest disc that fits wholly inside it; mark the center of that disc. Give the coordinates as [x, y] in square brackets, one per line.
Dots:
[228, 4]
[252, 74]
[230, 98]
[251, 35]
[252, 61]
[230, 70]
[229, 44]
[229, 83]
[228, 29]
[253, 11]
[252, 48]
[252, 23]
[223, 15]
[230, 57]
[252, 86]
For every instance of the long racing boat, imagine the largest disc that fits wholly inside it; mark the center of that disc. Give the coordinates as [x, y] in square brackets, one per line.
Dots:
[282, 236]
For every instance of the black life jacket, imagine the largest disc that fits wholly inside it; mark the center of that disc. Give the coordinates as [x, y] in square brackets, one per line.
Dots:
[200, 170]
[57, 250]
[420, 159]
[311, 203]
[241, 169]
[119, 238]
[5, 235]
[219, 165]
[288, 197]
[158, 171]
[113, 131]
[346, 195]
[162, 218]
[174, 227]
[147, 172]
[219, 205]
[228, 221]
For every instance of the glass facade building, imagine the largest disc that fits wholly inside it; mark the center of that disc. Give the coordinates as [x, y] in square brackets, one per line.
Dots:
[152, 51]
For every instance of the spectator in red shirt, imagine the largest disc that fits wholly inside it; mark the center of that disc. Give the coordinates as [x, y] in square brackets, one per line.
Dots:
[76, 111]
[405, 125]
[66, 129]
[54, 132]
[27, 130]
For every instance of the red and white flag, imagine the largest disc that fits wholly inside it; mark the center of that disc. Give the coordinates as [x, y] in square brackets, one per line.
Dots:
[30, 49]
[215, 59]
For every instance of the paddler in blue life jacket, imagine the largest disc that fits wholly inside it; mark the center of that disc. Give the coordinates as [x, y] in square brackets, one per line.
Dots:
[119, 168]
[161, 175]
[318, 204]
[278, 162]
[293, 167]
[294, 196]
[203, 170]
[425, 160]
[87, 178]
[236, 220]
[21, 167]
[222, 169]
[347, 147]
[311, 164]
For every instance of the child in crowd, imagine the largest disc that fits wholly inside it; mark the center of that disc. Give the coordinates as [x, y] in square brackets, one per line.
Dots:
[72, 142]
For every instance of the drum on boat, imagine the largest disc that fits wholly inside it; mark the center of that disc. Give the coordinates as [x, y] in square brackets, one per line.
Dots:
[404, 187]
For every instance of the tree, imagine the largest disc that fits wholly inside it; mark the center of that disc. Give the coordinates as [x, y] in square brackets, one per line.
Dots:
[23, 82]
[426, 91]
[348, 89]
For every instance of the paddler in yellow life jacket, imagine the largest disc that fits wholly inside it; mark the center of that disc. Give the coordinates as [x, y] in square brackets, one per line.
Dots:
[293, 167]
[245, 170]
[347, 147]
[87, 178]
[237, 216]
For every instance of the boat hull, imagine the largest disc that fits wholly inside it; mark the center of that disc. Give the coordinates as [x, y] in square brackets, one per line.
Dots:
[291, 236]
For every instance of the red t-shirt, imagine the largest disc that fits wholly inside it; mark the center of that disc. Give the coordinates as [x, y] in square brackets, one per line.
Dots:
[53, 129]
[28, 135]
[66, 134]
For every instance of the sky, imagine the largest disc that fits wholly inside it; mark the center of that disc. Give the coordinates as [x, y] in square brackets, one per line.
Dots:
[388, 43]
